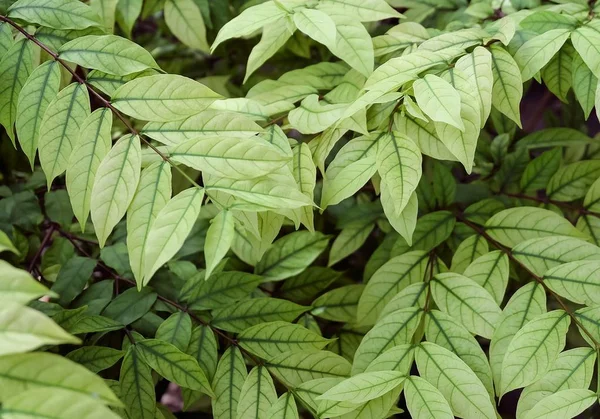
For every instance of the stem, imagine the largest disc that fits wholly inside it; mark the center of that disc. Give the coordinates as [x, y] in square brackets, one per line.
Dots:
[561, 204]
[97, 95]
[538, 279]
[43, 245]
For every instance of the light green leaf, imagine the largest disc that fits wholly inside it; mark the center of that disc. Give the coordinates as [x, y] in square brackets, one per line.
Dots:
[153, 193]
[284, 408]
[171, 227]
[115, 184]
[218, 240]
[507, 89]
[537, 52]
[423, 134]
[274, 36]
[576, 281]
[55, 404]
[177, 330]
[449, 333]
[460, 386]
[439, 100]
[16, 66]
[412, 296]
[477, 66]
[208, 123]
[551, 137]
[365, 11]
[467, 251]
[137, 386]
[291, 254]
[106, 12]
[109, 83]
[467, 301]
[300, 367]
[250, 312]
[391, 278]
[573, 369]
[572, 181]
[365, 386]
[174, 365]
[96, 358]
[586, 40]
[339, 304]
[528, 302]
[543, 21]
[424, 400]
[127, 12]
[257, 396]
[163, 97]
[57, 14]
[353, 43]
[24, 329]
[203, 346]
[312, 116]
[184, 19]
[268, 340]
[565, 404]
[533, 350]
[249, 21]
[59, 132]
[316, 24]
[350, 239]
[399, 358]
[108, 53]
[399, 165]
[584, 84]
[93, 144]
[394, 329]
[540, 170]
[228, 382]
[491, 272]
[130, 305]
[557, 73]
[23, 373]
[223, 288]
[18, 286]
[305, 175]
[515, 225]
[309, 283]
[41, 88]
[234, 158]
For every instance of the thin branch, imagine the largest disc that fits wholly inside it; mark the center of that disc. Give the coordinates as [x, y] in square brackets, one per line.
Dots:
[43, 245]
[538, 279]
[560, 204]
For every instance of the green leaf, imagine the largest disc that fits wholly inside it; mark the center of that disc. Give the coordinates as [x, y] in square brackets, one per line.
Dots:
[24, 329]
[575, 281]
[507, 89]
[92, 324]
[477, 66]
[309, 283]
[114, 187]
[339, 304]
[130, 305]
[573, 369]
[174, 365]
[96, 358]
[467, 301]
[106, 11]
[137, 386]
[18, 286]
[391, 278]
[291, 254]
[467, 251]
[584, 84]
[57, 14]
[313, 116]
[543, 21]
[177, 330]
[491, 272]
[170, 229]
[92, 145]
[365, 386]
[399, 358]
[365, 11]
[127, 12]
[557, 73]
[439, 100]
[316, 24]
[274, 37]
[572, 181]
[22, 373]
[399, 165]
[41, 87]
[16, 66]
[350, 239]
[153, 193]
[163, 97]
[460, 386]
[184, 19]
[424, 400]
[218, 240]
[353, 43]
[537, 52]
[533, 350]
[108, 53]
[540, 170]
[551, 137]
[72, 278]
[284, 408]
[300, 367]
[268, 340]
[109, 83]
[585, 40]
[247, 313]
[55, 404]
[305, 175]
[394, 329]
[234, 158]
[257, 396]
[228, 382]
[450, 334]
[566, 403]
[223, 289]
[515, 225]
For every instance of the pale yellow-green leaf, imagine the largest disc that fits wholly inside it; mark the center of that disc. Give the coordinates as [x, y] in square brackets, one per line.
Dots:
[115, 184]
[218, 240]
[586, 40]
[316, 24]
[477, 66]
[184, 19]
[353, 43]
[57, 14]
[363, 10]
[274, 37]
[313, 116]
[18, 286]
[537, 52]
[127, 13]
[507, 89]
[439, 100]
[491, 272]
[305, 174]
[257, 396]
[424, 400]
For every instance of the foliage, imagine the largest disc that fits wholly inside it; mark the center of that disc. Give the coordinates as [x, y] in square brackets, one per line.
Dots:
[379, 206]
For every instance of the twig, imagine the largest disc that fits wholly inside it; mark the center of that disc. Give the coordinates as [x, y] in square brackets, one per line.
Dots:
[43, 245]
[561, 204]
[538, 279]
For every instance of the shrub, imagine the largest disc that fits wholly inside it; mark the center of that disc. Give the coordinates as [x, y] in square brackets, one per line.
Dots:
[350, 218]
